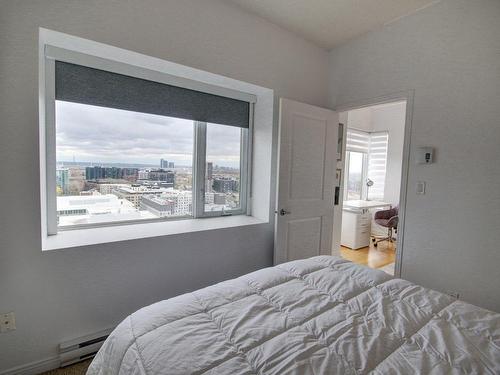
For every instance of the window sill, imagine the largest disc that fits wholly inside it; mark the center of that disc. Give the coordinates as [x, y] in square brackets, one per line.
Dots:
[93, 236]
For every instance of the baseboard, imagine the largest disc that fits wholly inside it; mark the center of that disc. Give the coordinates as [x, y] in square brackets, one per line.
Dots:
[33, 368]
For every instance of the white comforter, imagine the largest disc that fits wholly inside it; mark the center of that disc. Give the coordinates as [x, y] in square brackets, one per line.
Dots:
[322, 315]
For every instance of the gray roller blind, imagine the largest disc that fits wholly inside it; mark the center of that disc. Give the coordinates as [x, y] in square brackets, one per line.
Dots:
[81, 84]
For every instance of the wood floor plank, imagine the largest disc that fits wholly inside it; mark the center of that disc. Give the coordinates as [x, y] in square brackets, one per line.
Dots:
[373, 257]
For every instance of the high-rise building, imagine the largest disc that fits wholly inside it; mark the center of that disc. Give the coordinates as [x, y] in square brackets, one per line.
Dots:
[162, 175]
[210, 169]
[62, 180]
[171, 164]
[130, 174]
[164, 163]
[134, 193]
[93, 173]
[143, 174]
[225, 184]
[115, 173]
[169, 203]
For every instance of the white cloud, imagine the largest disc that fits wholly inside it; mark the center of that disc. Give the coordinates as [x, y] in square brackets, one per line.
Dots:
[98, 134]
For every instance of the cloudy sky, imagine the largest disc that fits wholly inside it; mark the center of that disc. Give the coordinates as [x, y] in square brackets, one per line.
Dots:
[96, 134]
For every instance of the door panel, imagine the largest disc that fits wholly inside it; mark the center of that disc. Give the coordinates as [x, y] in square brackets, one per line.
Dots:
[304, 238]
[308, 137]
[306, 181]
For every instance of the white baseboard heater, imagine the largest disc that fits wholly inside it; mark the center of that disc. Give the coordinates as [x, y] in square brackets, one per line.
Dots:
[82, 348]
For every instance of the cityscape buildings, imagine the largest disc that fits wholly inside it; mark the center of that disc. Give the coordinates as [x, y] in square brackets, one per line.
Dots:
[101, 173]
[225, 184]
[110, 193]
[62, 180]
[162, 175]
[97, 208]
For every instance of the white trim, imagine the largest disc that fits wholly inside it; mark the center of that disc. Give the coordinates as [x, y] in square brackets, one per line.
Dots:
[249, 160]
[34, 368]
[199, 165]
[199, 173]
[407, 96]
[262, 127]
[245, 169]
[107, 234]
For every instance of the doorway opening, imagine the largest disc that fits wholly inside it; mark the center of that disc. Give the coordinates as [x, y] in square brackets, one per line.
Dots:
[371, 173]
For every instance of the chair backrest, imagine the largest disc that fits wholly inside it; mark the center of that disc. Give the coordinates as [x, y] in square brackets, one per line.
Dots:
[387, 218]
[387, 214]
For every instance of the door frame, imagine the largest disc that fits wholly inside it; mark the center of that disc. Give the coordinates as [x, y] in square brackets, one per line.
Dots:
[408, 96]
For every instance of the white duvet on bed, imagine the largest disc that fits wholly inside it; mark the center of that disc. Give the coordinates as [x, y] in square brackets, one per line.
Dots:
[322, 315]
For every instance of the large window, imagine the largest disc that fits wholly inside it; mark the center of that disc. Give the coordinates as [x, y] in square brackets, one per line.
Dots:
[128, 148]
[366, 161]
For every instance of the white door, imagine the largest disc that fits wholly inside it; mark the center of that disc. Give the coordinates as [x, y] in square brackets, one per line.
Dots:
[306, 182]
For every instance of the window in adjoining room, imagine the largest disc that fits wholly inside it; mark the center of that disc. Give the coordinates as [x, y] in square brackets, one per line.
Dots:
[366, 159]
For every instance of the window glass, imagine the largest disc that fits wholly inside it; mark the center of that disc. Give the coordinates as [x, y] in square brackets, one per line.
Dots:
[354, 184]
[116, 165]
[222, 174]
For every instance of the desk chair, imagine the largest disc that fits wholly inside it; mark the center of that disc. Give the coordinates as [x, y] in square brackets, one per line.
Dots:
[387, 219]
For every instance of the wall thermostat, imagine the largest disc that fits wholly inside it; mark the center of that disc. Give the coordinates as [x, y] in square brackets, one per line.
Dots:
[425, 155]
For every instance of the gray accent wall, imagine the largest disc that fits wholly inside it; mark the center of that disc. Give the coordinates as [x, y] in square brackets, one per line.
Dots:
[449, 54]
[62, 294]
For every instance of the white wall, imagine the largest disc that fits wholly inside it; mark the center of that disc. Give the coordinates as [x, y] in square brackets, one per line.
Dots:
[63, 294]
[450, 55]
[360, 119]
[391, 118]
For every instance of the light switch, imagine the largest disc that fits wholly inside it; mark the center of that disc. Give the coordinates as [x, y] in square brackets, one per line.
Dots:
[421, 187]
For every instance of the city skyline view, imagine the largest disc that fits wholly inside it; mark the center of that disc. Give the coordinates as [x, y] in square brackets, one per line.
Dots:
[99, 135]
[116, 165]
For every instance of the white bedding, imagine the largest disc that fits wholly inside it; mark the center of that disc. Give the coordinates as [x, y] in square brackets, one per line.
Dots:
[322, 315]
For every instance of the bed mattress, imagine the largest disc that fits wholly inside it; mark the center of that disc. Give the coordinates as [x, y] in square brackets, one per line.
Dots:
[322, 315]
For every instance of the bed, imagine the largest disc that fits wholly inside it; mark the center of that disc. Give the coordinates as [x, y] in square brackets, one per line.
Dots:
[322, 315]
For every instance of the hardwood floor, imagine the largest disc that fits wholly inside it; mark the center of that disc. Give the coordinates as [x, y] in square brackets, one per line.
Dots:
[373, 257]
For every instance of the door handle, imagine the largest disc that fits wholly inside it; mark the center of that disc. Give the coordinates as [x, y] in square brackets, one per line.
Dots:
[284, 212]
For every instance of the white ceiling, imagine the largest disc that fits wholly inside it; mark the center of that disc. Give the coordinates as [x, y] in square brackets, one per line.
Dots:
[329, 23]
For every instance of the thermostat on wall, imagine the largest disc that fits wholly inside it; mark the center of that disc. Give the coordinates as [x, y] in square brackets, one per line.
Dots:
[425, 155]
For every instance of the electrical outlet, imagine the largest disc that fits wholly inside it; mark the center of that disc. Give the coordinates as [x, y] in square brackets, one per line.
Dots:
[7, 322]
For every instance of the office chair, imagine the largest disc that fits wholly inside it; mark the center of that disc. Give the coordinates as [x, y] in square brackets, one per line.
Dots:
[387, 219]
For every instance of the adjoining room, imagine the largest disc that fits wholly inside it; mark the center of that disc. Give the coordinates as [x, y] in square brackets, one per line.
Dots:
[372, 174]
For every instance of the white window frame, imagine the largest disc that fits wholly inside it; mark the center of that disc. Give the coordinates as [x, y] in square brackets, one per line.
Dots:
[62, 47]
[199, 170]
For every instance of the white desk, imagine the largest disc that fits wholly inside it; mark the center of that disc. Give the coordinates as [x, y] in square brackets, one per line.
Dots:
[359, 204]
[356, 222]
